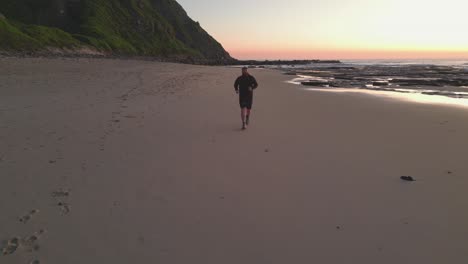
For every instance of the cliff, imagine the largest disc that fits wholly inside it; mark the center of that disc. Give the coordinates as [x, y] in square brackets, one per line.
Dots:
[159, 28]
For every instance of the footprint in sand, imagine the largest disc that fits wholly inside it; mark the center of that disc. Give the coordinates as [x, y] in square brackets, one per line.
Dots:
[60, 193]
[28, 217]
[29, 243]
[10, 246]
[60, 196]
[64, 207]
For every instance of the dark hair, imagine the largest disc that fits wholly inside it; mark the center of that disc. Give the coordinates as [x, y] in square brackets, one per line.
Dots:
[245, 68]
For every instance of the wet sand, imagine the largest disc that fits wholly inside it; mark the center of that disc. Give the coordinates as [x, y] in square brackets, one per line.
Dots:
[108, 161]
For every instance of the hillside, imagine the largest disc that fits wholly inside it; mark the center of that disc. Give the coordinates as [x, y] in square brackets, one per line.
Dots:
[159, 28]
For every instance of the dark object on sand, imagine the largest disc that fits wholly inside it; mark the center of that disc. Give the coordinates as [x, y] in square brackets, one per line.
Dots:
[380, 83]
[407, 178]
[315, 83]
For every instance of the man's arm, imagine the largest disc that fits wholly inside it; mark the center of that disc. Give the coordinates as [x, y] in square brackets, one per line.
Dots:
[236, 85]
[254, 83]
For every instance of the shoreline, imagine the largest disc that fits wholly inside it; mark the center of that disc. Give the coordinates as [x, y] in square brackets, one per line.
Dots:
[94, 54]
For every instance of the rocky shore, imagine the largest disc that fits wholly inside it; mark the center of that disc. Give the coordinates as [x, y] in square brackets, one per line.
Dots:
[282, 62]
[427, 79]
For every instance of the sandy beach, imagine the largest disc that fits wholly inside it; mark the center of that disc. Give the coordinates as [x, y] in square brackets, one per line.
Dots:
[125, 161]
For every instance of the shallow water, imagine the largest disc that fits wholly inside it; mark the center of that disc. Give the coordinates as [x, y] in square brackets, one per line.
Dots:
[410, 97]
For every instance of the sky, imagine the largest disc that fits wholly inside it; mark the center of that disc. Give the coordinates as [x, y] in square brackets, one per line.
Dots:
[335, 29]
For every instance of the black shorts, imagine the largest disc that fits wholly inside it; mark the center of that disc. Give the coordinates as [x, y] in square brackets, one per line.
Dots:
[246, 102]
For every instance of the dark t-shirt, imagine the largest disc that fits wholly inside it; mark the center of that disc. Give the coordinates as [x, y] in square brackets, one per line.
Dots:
[243, 83]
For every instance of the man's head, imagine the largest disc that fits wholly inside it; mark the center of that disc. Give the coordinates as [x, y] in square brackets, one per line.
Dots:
[245, 71]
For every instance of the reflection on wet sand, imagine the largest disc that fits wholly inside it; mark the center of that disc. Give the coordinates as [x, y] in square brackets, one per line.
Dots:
[409, 96]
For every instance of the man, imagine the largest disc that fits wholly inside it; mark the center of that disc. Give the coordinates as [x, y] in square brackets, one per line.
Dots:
[244, 85]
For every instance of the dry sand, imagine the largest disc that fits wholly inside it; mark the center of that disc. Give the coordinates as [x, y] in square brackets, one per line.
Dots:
[108, 161]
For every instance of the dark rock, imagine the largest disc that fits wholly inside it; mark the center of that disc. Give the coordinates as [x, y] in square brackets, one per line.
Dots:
[335, 68]
[283, 62]
[360, 78]
[315, 83]
[407, 178]
[336, 85]
[343, 77]
[380, 83]
[327, 61]
[417, 82]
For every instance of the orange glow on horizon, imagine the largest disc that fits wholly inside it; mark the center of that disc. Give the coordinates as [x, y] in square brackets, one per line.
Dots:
[346, 54]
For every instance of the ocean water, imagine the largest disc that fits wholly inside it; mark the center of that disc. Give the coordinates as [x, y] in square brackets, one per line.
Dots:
[437, 62]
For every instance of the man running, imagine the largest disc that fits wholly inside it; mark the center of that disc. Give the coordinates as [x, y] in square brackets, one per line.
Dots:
[244, 85]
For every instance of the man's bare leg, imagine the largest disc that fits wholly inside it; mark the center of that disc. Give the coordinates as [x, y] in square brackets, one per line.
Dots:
[243, 117]
[247, 117]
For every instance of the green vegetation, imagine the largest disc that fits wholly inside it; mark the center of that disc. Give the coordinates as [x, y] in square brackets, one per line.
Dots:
[17, 36]
[47, 36]
[11, 38]
[126, 27]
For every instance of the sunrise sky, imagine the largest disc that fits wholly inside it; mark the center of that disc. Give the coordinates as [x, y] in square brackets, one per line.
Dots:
[335, 29]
